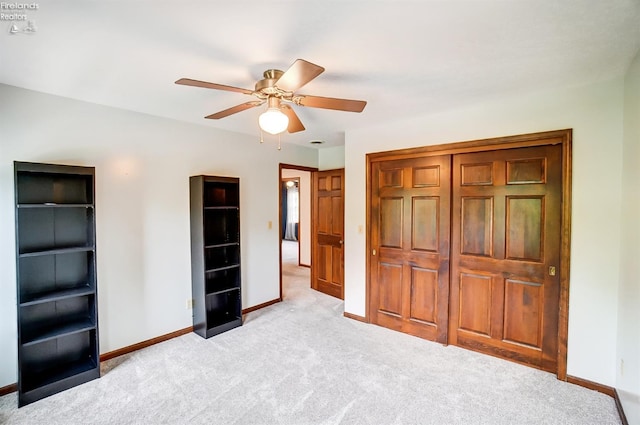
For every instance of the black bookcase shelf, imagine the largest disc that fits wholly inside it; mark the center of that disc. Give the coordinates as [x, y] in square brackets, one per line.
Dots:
[219, 245]
[57, 330]
[51, 377]
[215, 254]
[54, 205]
[56, 279]
[73, 364]
[54, 251]
[219, 267]
[222, 291]
[55, 295]
[223, 279]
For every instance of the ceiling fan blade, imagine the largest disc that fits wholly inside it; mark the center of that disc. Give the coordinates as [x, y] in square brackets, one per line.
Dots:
[331, 103]
[206, 85]
[295, 124]
[298, 74]
[234, 110]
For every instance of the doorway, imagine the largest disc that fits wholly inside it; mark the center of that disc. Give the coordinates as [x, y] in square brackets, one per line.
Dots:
[294, 229]
[495, 278]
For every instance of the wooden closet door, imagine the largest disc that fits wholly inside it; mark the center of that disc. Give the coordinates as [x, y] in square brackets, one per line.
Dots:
[506, 211]
[410, 245]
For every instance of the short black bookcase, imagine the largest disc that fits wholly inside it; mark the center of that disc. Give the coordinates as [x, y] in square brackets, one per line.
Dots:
[215, 254]
[56, 279]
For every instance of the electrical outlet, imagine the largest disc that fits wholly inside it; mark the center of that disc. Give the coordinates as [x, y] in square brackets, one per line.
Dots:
[189, 303]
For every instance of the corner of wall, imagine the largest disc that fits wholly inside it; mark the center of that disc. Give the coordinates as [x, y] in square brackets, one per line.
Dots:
[628, 335]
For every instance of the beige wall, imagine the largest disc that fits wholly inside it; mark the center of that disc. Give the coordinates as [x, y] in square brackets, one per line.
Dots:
[331, 158]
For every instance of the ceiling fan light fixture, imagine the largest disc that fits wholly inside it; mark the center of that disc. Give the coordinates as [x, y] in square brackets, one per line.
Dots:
[273, 121]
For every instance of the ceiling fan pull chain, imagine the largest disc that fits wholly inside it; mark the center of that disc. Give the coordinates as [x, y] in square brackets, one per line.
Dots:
[279, 146]
[261, 136]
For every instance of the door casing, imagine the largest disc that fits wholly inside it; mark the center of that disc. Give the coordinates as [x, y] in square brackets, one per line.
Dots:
[558, 137]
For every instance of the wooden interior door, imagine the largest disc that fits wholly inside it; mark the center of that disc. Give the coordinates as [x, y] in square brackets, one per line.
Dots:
[506, 252]
[327, 265]
[409, 262]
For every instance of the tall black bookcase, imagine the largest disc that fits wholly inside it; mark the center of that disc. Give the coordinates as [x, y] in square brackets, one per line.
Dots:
[215, 254]
[56, 279]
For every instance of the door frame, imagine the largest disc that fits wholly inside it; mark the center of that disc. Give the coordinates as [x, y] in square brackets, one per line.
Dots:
[557, 137]
[283, 166]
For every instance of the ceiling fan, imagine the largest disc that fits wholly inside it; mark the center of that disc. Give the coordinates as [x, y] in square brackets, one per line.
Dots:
[277, 89]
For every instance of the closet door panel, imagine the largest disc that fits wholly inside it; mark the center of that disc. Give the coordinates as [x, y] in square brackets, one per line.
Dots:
[410, 250]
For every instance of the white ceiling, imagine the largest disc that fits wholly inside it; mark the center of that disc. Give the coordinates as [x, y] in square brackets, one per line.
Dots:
[406, 58]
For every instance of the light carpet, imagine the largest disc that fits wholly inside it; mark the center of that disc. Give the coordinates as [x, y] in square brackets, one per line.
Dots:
[302, 362]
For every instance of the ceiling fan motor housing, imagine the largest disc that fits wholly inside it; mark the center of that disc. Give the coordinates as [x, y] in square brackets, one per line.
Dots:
[267, 86]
